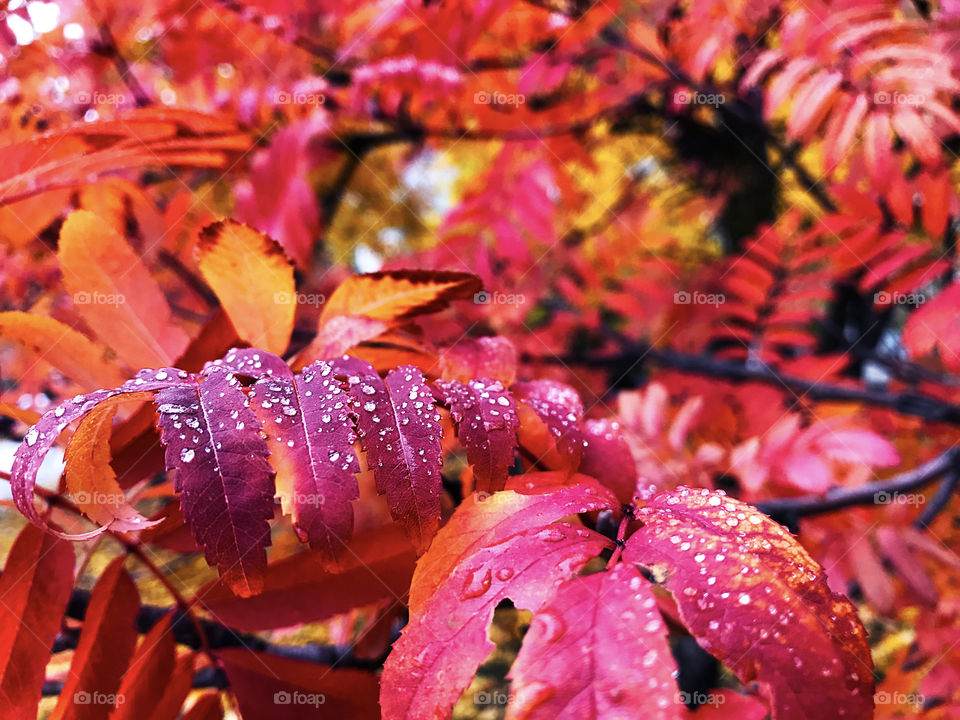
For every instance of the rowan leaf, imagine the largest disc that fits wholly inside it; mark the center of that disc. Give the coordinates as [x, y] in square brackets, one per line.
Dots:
[486, 418]
[597, 650]
[394, 295]
[103, 652]
[90, 478]
[151, 670]
[35, 587]
[253, 279]
[400, 432]
[550, 414]
[756, 600]
[76, 356]
[212, 442]
[308, 422]
[114, 292]
[508, 545]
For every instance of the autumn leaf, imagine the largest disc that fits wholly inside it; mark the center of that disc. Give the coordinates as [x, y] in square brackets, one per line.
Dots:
[596, 650]
[506, 546]
[226, 492]
[114, 292]
[756, 600]
[72, 353]
[105, 647]
[395, 295]
[35, 586]
[253, 280]
[150, 674]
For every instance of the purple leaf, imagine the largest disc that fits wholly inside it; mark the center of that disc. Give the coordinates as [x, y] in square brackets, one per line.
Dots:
[486, 418]
[223, 478]
[400, 431]
[309, 428]
[251, 362]
[41, 437]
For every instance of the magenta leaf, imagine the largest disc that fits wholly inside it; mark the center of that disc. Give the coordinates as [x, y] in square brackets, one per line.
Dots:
[597, 650]
[561, 410]
[486, 418]
[226, 490]
[250, 362]
[400, 432]
[309, 427]
[756, 600]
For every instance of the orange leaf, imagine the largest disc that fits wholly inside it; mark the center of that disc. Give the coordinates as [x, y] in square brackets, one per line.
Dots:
[90, 478]
[35, 587]
[115, 294]
[149, 674]
[106, 644]
[399, 294]
[76, 356]
[253, 278]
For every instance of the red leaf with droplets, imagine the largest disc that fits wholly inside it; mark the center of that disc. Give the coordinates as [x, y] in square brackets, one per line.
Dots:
[34, 587]
[505, 546]
[756, 600]
[486, 418]
[106, 644]
[223, 478]
[607, 457]
[597, 650]
[560, 410]
[309, 427]
[400, 432]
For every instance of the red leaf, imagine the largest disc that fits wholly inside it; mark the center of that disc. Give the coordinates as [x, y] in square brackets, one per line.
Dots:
[607, 457]
[106, 644]
[267, 686]
[597, 650]
[35, 587]
[400, 432]
[936, 325]
[507, 545]
[149, 674]
[559, 408]
[486, 418]
[756, 600]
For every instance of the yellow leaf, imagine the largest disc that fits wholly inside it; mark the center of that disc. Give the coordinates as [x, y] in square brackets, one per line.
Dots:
[253, 280]
[90, 366]
[115, 293]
